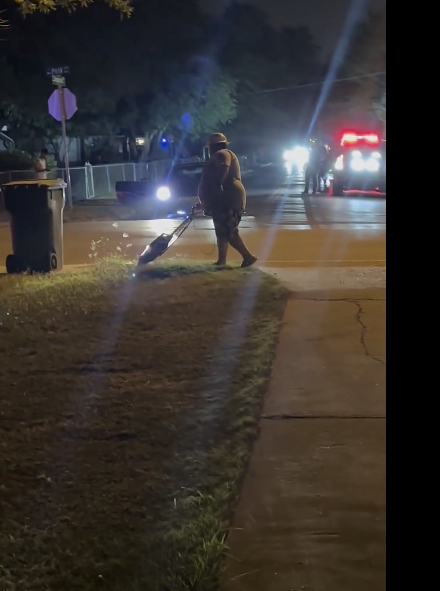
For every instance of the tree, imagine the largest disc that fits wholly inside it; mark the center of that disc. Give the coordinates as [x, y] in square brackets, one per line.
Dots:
[262, 58]
[136, 77]
[9, 91]
[369, 56]
[361, 103]
[45, 6]
[168, 70]
[25, 87]
[189, 104]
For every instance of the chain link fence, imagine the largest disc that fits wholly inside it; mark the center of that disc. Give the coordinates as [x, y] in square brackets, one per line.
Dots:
[97, 182]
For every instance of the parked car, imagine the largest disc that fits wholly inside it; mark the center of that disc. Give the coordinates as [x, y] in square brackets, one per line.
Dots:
[173, 195]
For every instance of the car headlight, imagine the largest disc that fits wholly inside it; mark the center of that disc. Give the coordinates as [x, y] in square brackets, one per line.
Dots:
[163, 194]
[358, 165]
[376, 155]
[288, 155]
[372, 165]
[340, 163]
[301, 156]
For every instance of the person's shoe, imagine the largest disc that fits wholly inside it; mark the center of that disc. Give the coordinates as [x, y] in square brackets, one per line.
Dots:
[305, 193]
[249, 263]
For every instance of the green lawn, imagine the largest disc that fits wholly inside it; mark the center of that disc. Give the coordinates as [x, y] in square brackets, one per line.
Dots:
[128, 408]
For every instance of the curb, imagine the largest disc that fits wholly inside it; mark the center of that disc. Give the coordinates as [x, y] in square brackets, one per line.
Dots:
[66, 269]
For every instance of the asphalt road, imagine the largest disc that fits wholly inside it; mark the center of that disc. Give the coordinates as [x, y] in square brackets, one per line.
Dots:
[282, 227]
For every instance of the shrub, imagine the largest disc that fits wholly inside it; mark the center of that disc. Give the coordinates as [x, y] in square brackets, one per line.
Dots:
[15, 160]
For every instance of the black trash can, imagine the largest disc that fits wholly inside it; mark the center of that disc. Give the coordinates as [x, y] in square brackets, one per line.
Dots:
[36, 209]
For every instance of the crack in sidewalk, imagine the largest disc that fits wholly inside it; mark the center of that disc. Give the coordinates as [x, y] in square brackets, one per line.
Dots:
[364, 332]
[286, 417]
[294, 296]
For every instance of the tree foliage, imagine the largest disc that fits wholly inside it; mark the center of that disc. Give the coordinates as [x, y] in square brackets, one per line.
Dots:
[369, 55]
[368, 60]
[362, 101]
[45, 6]
[264, 59]
[170, 69]
[190, 103]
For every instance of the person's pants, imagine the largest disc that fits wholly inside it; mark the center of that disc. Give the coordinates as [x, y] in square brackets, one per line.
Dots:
[323, 176]
[226, 223]
[311, 175]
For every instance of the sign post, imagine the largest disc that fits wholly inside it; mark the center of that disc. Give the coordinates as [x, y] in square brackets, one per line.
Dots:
[66, 149]
[62, 107]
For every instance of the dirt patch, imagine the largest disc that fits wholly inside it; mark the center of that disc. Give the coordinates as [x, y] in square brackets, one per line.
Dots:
[127, 414]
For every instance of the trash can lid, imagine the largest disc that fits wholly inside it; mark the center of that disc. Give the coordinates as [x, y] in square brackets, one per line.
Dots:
[49, 183]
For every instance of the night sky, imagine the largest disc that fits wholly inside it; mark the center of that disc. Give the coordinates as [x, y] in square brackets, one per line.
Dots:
[325, 17]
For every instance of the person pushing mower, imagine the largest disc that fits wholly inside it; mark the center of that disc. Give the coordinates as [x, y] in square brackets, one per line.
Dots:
[223, 197]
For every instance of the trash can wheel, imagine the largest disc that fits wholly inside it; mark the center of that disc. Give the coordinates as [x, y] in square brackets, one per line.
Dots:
[50, 263]
[13, 266]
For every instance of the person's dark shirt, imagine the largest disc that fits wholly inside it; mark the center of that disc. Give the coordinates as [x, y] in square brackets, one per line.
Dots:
[318, 154]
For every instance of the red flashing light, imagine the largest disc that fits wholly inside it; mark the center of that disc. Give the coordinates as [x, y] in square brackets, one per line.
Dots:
[372, 138]
[349, 138]
[352, 139]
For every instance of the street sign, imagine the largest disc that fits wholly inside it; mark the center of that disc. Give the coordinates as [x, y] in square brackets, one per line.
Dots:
[59, 71]
[62, 107]
[58, 80]
[62, 104]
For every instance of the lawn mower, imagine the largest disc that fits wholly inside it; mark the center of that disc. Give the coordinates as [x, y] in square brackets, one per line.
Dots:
[162, 243]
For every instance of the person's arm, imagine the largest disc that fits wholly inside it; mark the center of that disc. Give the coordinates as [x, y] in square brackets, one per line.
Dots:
[223, 161]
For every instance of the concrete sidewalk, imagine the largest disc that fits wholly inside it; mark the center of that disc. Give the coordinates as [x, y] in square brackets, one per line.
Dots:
[312, 515]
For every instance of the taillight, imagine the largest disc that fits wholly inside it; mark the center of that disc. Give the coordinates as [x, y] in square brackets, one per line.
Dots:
[352, 139]
[349, 138]
[372, 138]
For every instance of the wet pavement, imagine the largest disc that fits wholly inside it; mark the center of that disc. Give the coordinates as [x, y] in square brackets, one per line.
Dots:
[282, 227]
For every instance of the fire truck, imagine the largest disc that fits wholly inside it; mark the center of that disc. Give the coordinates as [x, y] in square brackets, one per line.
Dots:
[361, 163]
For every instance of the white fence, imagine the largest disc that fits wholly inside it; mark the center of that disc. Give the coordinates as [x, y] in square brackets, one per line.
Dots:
[94, 182]
[98, 182]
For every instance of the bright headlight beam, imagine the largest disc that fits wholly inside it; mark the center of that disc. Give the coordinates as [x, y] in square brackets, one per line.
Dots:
[372, 165]
[301, 156]
[358, 165]
[163, 194]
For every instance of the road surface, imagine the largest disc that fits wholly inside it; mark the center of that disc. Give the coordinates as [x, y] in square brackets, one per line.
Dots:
[282, 227]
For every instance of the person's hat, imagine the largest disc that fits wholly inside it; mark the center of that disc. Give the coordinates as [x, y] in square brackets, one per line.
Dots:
[217, 138]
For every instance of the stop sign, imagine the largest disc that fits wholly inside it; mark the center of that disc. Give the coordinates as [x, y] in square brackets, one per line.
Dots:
[56, 104]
